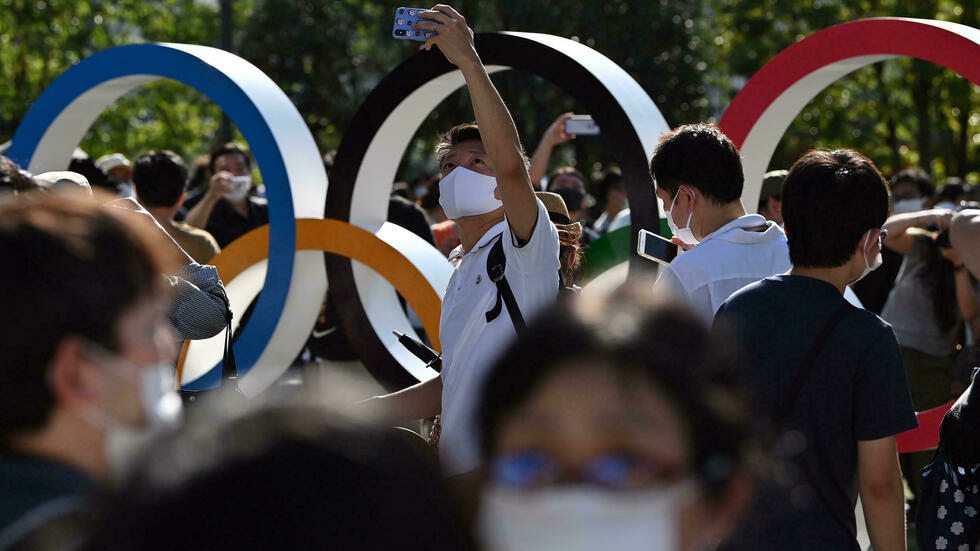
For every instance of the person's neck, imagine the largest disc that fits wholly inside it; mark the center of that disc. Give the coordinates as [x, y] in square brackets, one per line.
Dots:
[612, 210]
[69, 440]
[714, 217]
[241, 207]
[839, 277]
[472, 228]
[163, 215]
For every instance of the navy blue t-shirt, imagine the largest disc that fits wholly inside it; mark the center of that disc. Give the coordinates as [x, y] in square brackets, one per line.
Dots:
[856, 390]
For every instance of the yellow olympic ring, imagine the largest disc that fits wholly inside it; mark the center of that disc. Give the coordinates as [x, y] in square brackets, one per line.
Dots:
[334, 236]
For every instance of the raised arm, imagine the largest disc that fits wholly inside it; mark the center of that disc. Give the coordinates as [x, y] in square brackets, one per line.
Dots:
[555, 135]
[503, 145]
[964, 234]
[902, 242]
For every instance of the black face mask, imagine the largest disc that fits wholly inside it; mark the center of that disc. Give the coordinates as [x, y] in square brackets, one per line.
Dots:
[573, 198]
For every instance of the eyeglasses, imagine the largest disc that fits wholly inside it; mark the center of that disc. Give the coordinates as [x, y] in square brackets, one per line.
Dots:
[615, 471]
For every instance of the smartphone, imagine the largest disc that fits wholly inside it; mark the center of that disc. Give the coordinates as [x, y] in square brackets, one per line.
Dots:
[404, 27]
[656, 248]
[581, 125]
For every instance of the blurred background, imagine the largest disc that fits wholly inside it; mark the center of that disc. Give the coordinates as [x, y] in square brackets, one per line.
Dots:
[692, 57]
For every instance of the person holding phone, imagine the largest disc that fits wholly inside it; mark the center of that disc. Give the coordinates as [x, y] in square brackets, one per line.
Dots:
[486, 190]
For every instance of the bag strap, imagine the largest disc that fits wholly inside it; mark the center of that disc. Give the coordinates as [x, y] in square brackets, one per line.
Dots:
[786, 407]
[496, 268]
[229, 368]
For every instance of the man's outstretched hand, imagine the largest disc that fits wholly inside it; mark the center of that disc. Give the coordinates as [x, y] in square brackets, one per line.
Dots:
[454, 38]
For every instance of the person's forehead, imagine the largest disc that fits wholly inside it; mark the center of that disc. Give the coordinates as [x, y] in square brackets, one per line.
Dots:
[469, 147]
[229, 158]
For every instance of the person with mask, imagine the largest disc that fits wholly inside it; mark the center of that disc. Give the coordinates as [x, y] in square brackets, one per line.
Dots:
[85, 363]
[932, 297]
[827, 375]
[629, 430]
[698, 176]
[227, 210]
[506, 269]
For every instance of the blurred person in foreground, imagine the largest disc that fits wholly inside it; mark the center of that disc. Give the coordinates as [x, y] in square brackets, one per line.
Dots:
[228, 209]
[828, 376]
[698, 176]
[627, 430]
[287, 476]
[160, 178]
[85, 363]
[486, 190]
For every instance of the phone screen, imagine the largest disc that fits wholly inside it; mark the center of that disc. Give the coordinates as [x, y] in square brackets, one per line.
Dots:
[655, 247]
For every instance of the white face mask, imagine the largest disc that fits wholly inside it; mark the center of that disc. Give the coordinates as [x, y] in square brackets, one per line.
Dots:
[684, 234]
[240, 186]
[580, 518]
[463, 192]
[908, 205]
[868, 267]
[162, 410]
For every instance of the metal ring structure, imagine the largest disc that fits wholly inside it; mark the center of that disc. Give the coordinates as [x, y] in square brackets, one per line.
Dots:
[762, 111]
[283, 146]
[383, 127]
[333, 236]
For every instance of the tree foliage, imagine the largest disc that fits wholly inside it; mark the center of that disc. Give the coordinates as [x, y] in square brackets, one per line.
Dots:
[691, 57]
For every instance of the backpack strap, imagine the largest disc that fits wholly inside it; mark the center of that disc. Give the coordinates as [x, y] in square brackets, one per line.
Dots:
[496, 269]
[786, 407]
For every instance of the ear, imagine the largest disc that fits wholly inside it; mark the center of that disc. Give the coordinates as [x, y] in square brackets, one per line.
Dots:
[496, 193]
[180, 200]
[774, 205]
[69, 374]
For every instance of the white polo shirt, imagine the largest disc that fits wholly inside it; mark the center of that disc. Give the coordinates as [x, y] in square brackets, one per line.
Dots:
[725, 261]
[470, 345]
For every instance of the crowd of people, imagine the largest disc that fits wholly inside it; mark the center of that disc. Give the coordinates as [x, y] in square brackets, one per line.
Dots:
[744, 399]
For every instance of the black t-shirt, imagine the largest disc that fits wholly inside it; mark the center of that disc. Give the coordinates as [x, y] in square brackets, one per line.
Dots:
[856, 390]
[227, 225]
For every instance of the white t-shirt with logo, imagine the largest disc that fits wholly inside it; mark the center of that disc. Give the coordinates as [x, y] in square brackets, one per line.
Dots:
[470, 345]
[725, 261]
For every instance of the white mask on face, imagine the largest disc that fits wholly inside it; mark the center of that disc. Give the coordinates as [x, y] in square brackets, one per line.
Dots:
[580, 518]
[908, 205]
[463, 192]
[684, 234]
[868, 267]
[162, 410]
[239, 190]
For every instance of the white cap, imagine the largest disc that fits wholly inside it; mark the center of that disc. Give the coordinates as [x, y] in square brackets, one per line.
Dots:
[65, 180]
[109, 162]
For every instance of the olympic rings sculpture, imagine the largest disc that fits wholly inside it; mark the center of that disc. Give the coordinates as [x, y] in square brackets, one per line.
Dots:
[370, 153]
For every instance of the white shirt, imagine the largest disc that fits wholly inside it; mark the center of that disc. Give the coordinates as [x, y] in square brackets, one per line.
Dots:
[470, 345]
[725, 261]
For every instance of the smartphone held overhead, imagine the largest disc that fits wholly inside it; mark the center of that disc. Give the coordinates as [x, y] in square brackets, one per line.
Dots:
[581, 125]
[405, 21]
[655, 247]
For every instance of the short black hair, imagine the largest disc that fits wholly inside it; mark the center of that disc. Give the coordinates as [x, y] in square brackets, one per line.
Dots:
[701, 156]
[917, 177]
[636, 341]
[567, 171]
[455, 135]
[830, 199]
[230, 148]
[84, 266]
[95, 176]
[954, 190]
[160, 177]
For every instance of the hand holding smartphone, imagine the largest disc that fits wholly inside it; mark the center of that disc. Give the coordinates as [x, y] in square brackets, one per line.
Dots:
[404, 27]
[581, 125]
[656, 248]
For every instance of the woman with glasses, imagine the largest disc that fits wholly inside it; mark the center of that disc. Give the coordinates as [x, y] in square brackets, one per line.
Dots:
[612, 425]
